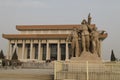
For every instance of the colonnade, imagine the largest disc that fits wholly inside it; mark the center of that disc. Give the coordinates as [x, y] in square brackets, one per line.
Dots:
[13, 46]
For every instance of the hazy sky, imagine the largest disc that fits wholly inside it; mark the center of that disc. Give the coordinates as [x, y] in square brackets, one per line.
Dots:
[105, 14]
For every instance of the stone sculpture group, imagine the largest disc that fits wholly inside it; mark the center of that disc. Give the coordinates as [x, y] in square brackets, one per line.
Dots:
[85, 39]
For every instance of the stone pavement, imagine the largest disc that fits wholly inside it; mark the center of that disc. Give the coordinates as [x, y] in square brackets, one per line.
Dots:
[26, 74]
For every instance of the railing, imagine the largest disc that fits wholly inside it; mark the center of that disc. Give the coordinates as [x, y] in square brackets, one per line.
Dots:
[86, 71]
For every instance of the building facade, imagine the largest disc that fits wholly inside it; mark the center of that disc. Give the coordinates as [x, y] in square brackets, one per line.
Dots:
[42, 42]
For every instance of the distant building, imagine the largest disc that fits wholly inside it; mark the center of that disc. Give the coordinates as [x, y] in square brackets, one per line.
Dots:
[41, 42]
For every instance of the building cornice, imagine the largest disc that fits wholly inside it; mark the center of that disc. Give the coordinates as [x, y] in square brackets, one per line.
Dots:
[48, 27]
[42, 36]
[35, 36]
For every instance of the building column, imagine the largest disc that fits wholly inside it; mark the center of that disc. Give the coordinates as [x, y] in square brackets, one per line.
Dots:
[47, 52]
[58, 51]
[9, 55]
[31, 49]
[67, 55]
[23, 48]
[39, 51]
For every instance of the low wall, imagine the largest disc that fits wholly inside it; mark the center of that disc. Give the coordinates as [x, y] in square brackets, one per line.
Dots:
[88, 71]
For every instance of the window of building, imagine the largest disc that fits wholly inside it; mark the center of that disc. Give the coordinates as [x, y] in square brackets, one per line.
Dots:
[69, 48]
[36, 51]
[44, 51]
[63, 51]
[53, 51]
[28, 51]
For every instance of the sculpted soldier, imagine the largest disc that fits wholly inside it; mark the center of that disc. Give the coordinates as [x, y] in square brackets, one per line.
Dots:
[86, 40]
[74, 43]
[95, 41]
[85, 36]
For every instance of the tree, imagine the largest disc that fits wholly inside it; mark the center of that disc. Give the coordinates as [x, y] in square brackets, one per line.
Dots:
[14, 56]
[1, 55]
[113, 58]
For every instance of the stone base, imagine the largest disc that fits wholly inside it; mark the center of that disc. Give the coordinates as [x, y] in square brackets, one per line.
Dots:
[86, 59]
[87, 56]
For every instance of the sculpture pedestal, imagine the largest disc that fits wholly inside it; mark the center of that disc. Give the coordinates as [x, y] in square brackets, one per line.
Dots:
[87, 56]
[87, 59]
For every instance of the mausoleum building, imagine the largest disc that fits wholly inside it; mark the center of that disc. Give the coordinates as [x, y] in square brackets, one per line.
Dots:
[42, 42]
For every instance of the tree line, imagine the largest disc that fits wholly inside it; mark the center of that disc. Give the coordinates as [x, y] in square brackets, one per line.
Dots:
[14, 56]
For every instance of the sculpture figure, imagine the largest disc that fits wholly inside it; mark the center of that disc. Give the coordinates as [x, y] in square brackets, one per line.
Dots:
[95, 41]
[74, 44]
[85, 39]
[85, 36]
